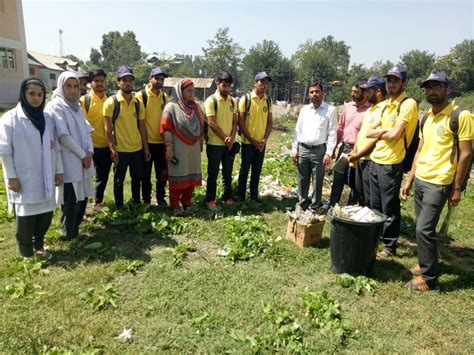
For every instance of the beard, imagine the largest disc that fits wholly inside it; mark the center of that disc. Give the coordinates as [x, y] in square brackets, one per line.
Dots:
[158, 86]
[435, 100]
[127, 90]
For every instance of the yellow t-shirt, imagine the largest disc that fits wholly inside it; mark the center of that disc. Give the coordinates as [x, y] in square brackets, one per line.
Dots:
[153, 112]
[127, 134]
[434, 162]
[256, 120]
[96, 119]
[371, 115]
[385, 152]
[226, 110]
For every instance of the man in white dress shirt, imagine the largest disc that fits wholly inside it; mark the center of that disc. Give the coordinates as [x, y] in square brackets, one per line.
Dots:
[313, 145]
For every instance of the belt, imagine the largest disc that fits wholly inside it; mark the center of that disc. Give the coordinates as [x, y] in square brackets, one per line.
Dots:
[312, 146]
[348, 145]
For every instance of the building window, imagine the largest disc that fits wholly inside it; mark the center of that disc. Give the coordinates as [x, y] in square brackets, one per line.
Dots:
[52, 76]
[32, 71]
[7, 58]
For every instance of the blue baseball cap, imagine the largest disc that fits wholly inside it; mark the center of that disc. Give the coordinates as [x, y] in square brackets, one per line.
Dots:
[438, 76]
[158, 71]
[124, 71]
[374, 81]
[397, 71]
[262, 75]
[82, 74]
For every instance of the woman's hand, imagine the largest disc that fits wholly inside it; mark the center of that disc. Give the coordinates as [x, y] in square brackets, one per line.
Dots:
[169, 153]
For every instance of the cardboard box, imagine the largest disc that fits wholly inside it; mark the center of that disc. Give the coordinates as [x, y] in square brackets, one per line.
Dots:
[304, 235]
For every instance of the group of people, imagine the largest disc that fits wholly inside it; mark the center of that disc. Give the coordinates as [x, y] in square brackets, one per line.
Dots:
[51, 153]
[375, 132]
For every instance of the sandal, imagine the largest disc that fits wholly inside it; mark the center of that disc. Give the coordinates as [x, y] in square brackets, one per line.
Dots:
[419, 284]
[384, 255]
[43, 254]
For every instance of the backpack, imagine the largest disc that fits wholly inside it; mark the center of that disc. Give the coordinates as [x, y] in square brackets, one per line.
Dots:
[87, 102]
[454, 127]
[145, 97]
[205, 125]
[410, 149]
[116, 113]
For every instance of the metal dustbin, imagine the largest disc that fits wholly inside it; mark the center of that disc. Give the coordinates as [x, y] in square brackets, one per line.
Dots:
[354, 244]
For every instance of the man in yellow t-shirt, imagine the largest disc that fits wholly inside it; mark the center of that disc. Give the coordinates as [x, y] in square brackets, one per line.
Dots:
[92, 106]
[255, 123]
[396, 125]
[126, 135]
[363, 146]
[439, 169]
[154, 100]
[221, 113]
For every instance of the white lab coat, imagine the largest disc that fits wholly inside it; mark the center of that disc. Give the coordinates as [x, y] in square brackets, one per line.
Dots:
[34, 162]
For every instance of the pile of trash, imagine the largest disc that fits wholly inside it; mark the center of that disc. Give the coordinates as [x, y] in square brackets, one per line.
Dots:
[358, 214]
[306, 217]
[274, 188]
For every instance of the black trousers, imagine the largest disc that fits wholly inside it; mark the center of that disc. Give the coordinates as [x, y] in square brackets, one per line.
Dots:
[72, 212]
[252, 158]
[217, 155]
[134, 161]
[310, 170]
[157, 160]
[429, 202]
[339, 180]
[363, 182]
[102, 164]
[30, 231]
[385, 182]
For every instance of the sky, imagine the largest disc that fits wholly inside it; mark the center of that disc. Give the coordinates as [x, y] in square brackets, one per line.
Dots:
[374, 30]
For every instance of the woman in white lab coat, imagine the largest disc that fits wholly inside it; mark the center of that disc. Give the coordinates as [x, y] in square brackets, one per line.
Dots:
[74, 134]
[32, 166]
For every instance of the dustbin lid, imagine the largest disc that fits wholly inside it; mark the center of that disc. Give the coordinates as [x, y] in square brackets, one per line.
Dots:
[383, 219]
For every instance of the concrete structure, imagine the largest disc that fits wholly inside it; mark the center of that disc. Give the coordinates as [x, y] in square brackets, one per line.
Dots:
[51, 67]
[13, 54]
[34, 68]
[204, 87]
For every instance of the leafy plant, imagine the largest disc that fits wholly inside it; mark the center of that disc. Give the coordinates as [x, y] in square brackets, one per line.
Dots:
[100, 300]
[21, 288]
[359, 284]
[325, 313]
[204, 323]
[247, 237]
[131, 267]
[180, 253]
[30, 267]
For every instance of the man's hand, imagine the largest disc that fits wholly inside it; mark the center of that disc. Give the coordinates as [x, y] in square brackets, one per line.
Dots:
[255, 143]
[14, 185]
[147, 154]
[327, 160]
[455, 197]
[58, 179]
[229, 142]
[169, 153]
[87, 161]
[114, 156]
[352, 157]
[294, 157]
[262, 144]
[405, 191]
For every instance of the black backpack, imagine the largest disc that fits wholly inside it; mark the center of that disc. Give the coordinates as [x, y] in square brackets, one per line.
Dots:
[116, 113]
[454, 127]
[145, 97]
[410, 149]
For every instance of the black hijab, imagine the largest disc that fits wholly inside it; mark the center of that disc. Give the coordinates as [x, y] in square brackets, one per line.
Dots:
[35, 114]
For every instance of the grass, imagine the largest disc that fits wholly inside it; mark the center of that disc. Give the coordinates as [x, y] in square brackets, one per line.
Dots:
[177, 294]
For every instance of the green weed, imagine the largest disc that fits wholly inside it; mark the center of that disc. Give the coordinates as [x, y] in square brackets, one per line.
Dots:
[99, 300]
[359, 284]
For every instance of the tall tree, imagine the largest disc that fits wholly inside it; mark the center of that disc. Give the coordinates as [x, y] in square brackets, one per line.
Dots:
[118, 49]
[418, 63]
[222, 53]
[95, 57]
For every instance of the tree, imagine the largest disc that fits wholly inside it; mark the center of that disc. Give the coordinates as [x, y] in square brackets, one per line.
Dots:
[418, 63]
[267, 56]
[95, 57]
[118, 49]
[380, 67]
[222, 53]
[74, 58]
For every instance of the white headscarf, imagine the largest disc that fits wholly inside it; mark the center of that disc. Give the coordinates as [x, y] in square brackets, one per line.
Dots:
[59, 91]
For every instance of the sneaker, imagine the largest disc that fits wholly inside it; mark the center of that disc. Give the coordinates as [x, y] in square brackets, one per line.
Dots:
[43, 254]
[419, 284]
[384, 255]
[98, 206]
[229, 202]
[416, 270]
[212, 206]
